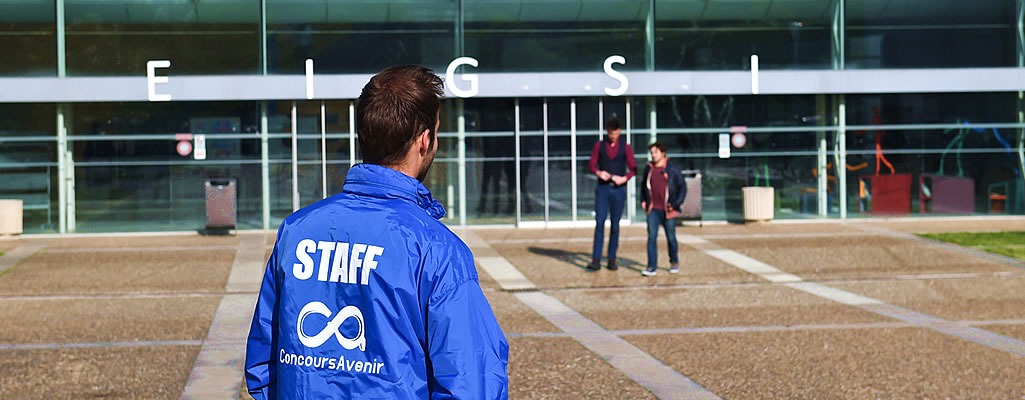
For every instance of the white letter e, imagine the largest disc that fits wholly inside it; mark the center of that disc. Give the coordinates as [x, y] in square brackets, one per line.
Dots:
[152, 79]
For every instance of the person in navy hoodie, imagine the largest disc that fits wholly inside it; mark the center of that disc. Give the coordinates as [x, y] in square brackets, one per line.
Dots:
[662, 193]
[612, 161]
[367, 294]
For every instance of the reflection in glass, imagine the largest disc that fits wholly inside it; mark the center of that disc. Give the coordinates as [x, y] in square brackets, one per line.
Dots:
[117, 37]
[346, 36]
[130, 175]
[554, 35]
[28, 37]
[724, 35]
[490, 125]
[28, 163]
[931, 108]
[913, 34]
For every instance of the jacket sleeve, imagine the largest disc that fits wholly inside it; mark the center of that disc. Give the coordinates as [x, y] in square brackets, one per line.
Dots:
[468, 352]
[631, 162]
[260, 345]
[681, 183]
[645, 195]
[592, 164]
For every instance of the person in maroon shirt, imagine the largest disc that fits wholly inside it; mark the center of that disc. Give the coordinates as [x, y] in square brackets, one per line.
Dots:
[663, 190]
[612, 161]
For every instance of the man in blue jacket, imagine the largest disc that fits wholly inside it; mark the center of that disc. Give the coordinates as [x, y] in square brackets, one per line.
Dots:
[661, 197]
[367, 294]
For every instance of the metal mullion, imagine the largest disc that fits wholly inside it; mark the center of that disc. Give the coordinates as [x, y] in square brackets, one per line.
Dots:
[544, 152]
[516, 137]
[573, 157]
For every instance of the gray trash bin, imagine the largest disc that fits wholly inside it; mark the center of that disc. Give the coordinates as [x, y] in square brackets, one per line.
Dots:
[691, 208]
[221, 212]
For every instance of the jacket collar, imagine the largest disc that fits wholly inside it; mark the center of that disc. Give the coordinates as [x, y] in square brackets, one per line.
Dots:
[652, 165]
[377, 181]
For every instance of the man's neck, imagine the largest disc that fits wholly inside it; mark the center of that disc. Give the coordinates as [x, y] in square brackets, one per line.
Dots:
[662, 163]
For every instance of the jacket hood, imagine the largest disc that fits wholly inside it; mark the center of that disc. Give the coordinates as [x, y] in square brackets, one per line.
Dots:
[378, 181]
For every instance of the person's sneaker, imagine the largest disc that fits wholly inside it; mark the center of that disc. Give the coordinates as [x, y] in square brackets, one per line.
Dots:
[594, 265]
[674, 268]
[612, 265]
[649, 272]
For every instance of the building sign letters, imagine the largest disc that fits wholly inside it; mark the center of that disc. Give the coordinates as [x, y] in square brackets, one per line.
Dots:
[464, 85]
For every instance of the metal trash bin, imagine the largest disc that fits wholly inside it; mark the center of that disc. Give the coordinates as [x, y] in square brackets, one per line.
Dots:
[691, 208]
[221, 200]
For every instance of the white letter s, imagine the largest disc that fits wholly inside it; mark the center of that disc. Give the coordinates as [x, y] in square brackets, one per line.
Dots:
[623, 82]
[303, 269]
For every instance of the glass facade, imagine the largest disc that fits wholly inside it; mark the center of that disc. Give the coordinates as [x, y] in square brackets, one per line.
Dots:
[848, 109]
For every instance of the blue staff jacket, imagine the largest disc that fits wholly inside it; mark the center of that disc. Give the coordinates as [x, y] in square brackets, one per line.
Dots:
[367, 295]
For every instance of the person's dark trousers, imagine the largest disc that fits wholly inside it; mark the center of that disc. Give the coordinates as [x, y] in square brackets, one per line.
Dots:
[608, 202]
[656, 219]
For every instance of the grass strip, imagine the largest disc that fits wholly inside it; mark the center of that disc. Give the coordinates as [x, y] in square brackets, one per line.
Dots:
[1010, 244]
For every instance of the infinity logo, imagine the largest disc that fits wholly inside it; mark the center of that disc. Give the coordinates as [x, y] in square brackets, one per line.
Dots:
[317, 307]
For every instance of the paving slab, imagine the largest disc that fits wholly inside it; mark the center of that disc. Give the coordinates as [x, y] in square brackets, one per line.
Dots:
[8, 243]
[550, 266]
[133, 373]
[709, 306]
[768, 228]
[516, 318]
[144, 241]
[860, 257]
[966, 298]
[731, 331]
[1014, 331]
[499, 234]
[83, 320]
[560, 368]
[903, 363]
[953, 224]
[119, 271]
[487, 283]
[217, 370]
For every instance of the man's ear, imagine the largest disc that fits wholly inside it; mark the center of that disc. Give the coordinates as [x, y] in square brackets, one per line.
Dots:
[424, 142]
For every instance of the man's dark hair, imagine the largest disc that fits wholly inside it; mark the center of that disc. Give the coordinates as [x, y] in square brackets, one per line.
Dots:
[661, 147]
[395, 106]
[612, 124]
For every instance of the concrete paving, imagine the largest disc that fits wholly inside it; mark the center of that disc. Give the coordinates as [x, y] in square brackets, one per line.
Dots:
[769, 310]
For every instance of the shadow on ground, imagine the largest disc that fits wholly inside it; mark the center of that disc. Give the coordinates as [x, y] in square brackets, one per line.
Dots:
[580, 259]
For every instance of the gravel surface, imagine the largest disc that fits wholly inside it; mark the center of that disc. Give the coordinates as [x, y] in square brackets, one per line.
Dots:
[985, 224]
[751, 305]
[143, 241]
[560, 368]
[125, 289]
[515, 317]
[107, 373]
[8, 243]
[952, 299]
[840, 364]
[1013, 331]
[119, 271]
[859, 257]
[762, 228]
[551, 266]
[94, 320]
